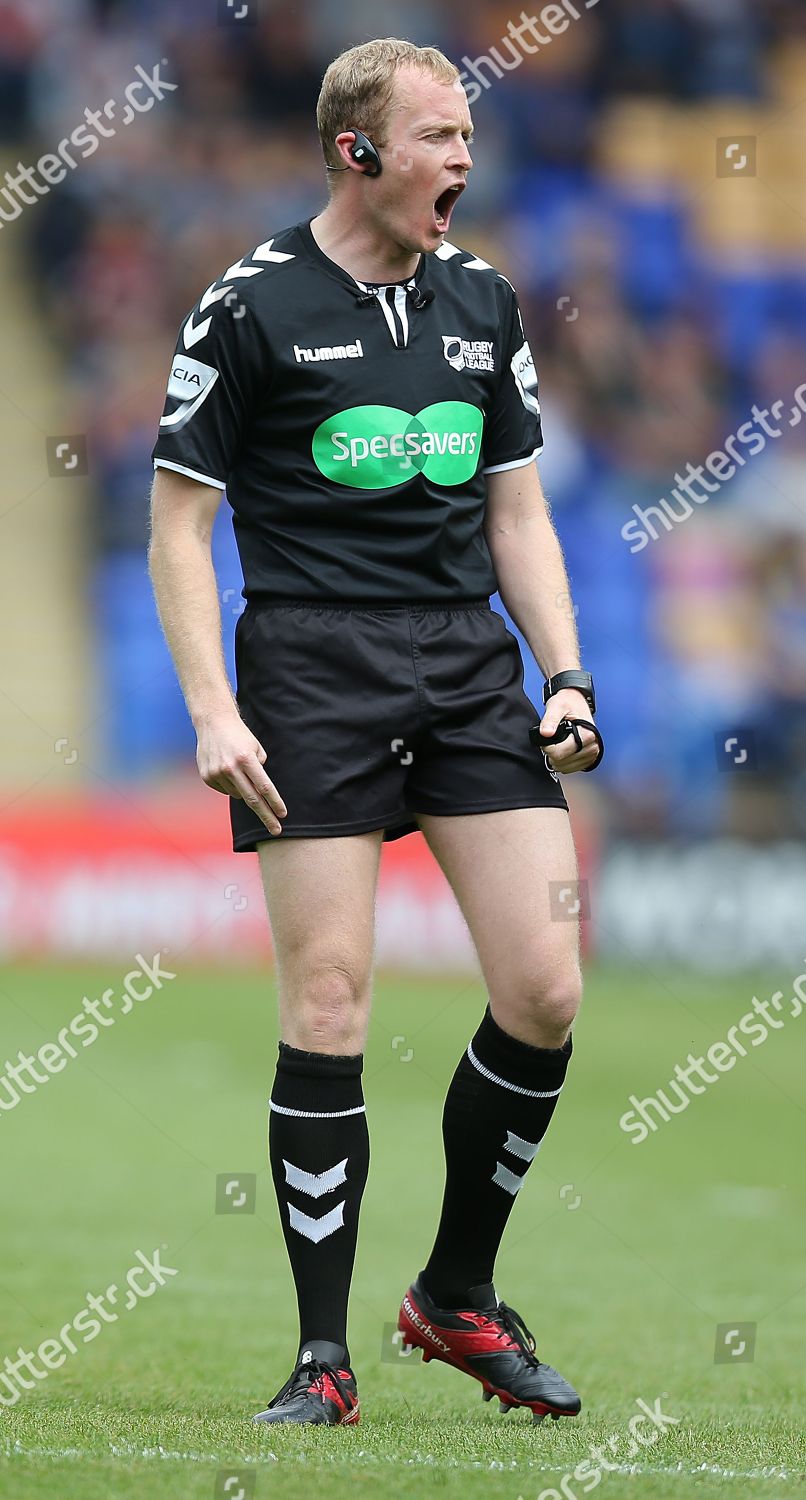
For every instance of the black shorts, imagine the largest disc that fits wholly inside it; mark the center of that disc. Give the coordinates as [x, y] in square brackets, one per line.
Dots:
[369, 716]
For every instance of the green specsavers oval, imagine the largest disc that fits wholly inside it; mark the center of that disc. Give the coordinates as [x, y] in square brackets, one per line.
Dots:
[379, 447]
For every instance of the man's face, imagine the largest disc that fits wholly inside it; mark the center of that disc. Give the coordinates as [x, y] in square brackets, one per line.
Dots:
[425, 161]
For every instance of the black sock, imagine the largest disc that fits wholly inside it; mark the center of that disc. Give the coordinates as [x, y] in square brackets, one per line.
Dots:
[318, 1129]
[497, 1110]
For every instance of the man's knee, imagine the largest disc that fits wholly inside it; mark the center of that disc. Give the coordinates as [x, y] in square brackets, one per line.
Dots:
[541, 1007]
[329, 1008]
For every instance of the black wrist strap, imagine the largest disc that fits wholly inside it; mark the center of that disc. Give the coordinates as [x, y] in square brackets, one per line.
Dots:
[575, 678]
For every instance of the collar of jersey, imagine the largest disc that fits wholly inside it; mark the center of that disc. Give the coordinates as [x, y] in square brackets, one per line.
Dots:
[339, 273]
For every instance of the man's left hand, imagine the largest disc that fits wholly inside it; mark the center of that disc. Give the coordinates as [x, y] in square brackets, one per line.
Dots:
[568, 704]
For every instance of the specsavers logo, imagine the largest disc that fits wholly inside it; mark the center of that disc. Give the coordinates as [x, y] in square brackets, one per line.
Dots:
[380, 447]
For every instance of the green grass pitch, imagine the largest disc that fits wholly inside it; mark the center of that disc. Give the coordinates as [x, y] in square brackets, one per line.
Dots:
[622, 1258]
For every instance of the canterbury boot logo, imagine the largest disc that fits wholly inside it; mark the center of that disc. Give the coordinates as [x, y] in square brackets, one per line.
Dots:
[425, 1328]
[316, 1229]
[315, 1184]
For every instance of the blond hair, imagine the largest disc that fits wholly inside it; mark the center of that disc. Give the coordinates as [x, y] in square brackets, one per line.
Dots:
[358, 88]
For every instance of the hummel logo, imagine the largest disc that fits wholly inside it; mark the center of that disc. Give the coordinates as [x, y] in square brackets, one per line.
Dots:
[423, 1327]
[334, 351]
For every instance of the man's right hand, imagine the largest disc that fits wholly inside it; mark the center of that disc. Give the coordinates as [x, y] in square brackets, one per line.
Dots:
[231, 760]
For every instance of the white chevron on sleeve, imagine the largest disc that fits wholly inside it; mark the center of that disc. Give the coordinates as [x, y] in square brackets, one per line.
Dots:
[193, 332]
[315, 1184]
[239, 269]
[265, 252]
[213, 294]
[502, 1177]
[447, 251]
[316, 1229]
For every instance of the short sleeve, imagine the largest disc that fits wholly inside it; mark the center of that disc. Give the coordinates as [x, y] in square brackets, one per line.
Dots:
[514, 433]
[218, 374]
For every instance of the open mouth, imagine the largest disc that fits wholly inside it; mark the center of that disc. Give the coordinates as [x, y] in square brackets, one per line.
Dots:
[444, 206]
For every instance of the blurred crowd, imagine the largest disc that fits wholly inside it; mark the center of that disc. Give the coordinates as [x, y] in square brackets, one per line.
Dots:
[658, 310]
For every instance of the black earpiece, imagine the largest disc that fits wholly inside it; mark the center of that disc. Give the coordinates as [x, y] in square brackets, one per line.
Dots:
[363, 152]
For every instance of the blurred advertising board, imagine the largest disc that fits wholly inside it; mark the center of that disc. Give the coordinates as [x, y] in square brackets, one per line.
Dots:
[92, 877]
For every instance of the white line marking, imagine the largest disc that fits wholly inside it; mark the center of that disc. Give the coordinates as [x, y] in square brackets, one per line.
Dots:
[419, 1460]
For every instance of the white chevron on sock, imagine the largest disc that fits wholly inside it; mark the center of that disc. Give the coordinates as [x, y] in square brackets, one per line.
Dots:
[317, 1229]
[527, 1150]
[506, 1179]
[316, 1183]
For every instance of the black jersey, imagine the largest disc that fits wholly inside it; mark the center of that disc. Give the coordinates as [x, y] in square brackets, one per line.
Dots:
[352, 425]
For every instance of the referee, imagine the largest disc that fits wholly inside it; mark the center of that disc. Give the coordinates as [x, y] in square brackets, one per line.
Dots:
[364, 391]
